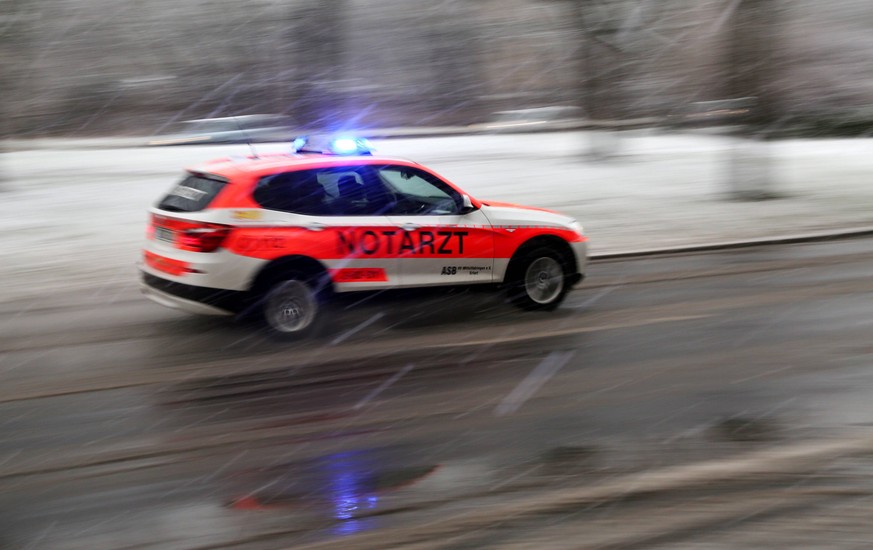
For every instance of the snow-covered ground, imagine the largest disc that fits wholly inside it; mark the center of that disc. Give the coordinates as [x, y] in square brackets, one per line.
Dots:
[72, 219]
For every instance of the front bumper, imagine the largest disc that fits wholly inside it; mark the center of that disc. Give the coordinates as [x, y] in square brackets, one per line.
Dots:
[580, 250]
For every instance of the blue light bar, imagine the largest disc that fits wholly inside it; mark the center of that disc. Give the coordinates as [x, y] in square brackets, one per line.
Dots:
[340, 145]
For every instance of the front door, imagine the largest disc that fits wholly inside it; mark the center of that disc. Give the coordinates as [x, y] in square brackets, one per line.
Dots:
[437, 242]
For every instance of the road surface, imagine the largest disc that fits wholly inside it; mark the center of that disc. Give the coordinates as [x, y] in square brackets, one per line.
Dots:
[125, 424]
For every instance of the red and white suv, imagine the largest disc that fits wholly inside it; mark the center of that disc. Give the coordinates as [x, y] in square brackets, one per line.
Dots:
[280, 234]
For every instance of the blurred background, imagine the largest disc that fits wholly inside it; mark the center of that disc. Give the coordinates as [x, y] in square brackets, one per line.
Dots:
[101, 67]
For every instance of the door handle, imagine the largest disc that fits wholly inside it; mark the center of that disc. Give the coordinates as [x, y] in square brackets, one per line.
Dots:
[315, 226]
[409, 226]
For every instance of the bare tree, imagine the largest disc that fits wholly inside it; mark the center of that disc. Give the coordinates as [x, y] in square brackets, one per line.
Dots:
[14, 46]
[318, 37]
[750, 56]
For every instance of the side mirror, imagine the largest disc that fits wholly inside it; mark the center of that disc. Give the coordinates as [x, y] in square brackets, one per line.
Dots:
[467, 205]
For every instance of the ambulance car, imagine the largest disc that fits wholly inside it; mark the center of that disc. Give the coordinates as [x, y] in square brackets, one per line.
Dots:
[280, 235]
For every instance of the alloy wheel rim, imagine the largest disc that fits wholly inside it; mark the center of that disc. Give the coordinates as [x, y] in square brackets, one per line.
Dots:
[291, 308]
[544, 280]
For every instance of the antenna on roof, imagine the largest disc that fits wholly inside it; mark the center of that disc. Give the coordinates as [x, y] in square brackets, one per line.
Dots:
[248, 139]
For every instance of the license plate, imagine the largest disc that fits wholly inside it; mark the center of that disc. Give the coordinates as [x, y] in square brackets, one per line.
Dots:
[164, 234]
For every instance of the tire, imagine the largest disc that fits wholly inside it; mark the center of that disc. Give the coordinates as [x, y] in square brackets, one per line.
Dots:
[538, 279]
[291, 309]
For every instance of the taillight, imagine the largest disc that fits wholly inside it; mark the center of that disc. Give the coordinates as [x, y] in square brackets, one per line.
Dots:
[207, 237]
[188, 235]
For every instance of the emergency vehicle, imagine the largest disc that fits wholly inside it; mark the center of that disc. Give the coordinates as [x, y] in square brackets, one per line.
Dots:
[280, 234]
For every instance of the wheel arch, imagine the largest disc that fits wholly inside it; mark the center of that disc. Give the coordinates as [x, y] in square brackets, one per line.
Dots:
[554, 242]
[280, 268]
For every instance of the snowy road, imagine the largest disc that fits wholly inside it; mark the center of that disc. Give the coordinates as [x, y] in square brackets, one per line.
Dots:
[125, 424]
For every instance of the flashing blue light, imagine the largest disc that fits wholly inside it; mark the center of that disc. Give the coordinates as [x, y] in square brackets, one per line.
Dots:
[343, 145]
[350, 146]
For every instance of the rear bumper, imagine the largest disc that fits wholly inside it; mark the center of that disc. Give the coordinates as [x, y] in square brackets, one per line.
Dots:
[193, 299]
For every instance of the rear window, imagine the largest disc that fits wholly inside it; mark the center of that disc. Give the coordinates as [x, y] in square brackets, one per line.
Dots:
[193, 193]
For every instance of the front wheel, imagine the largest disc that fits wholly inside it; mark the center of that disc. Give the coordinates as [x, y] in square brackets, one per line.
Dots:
[291, 309]
[539, 280]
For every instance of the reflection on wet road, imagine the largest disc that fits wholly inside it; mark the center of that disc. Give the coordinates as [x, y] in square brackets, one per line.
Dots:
[125, 424]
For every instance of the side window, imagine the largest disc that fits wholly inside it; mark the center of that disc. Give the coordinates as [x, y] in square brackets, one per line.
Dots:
[298, 192]
[418, 192]
[355, 191]
[336, 191]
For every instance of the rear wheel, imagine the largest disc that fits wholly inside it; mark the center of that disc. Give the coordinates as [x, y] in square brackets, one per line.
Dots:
[538, 279]
[291, 309]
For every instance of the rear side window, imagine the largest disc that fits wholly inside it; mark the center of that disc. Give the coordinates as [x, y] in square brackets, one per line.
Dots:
[334, 191]
[192, 194]
[297, 192]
